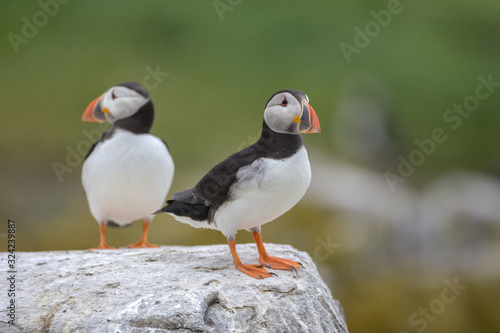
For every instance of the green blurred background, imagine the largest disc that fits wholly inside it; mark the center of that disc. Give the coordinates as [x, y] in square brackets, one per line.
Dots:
[390, 252]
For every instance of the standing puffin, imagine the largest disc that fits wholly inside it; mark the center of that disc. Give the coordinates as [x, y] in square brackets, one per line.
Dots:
[257, 184]
[127, 173]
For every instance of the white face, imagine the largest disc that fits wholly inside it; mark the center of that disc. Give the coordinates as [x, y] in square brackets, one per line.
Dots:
[121, 102]
[283, 112]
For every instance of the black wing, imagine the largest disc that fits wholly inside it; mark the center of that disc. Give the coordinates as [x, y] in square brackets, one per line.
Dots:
[202, 201]
[213, 188]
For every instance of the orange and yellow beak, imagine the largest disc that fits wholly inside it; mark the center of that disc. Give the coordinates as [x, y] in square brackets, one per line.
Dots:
[309, 122]
[94, 112]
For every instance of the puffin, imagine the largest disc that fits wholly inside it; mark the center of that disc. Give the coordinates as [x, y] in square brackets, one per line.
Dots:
[257, 184]
[128, 172]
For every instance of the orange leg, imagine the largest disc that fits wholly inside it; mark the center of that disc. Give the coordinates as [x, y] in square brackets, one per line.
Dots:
[102, 244]
[272, 262]
[143, 241]
[255, 271]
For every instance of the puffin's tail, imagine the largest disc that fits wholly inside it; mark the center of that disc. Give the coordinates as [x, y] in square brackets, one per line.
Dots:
[165, 209]
[196, 212]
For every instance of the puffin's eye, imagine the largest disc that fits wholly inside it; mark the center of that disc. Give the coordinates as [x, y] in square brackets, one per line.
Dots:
[113, 96]
[284, 102]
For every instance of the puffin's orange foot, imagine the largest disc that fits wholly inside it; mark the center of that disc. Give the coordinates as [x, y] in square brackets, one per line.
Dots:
[141, 244]
[255, 271]
[278, 263]
[103, 247]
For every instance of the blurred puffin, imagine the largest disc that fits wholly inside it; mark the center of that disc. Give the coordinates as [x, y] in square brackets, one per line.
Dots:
[257, 184]
[127, 173]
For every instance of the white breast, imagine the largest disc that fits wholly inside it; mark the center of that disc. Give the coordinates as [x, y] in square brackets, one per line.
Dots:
[264, 190]
[127, 177]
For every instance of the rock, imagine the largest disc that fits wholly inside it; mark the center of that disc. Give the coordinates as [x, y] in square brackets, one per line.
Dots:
[169, 289]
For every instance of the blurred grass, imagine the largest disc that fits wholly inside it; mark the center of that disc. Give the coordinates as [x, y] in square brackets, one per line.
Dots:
[211, 104]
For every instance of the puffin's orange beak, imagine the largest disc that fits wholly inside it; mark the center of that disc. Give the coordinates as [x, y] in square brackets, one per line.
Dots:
[93, 112]
[309, 122]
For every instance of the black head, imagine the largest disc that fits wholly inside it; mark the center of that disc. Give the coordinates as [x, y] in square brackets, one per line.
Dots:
[288, 111]
[126, 105]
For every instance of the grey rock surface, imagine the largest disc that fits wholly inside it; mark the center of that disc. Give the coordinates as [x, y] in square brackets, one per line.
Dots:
[169, 289]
